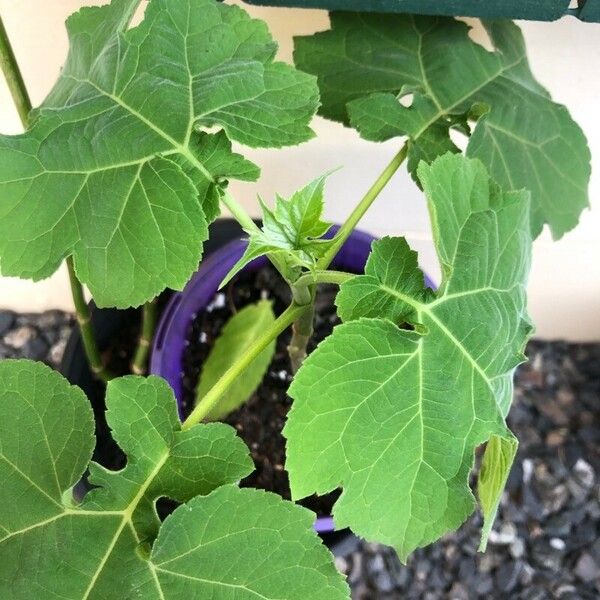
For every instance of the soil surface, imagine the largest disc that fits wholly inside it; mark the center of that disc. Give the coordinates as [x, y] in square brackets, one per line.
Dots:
[546, 541]
[260, 420]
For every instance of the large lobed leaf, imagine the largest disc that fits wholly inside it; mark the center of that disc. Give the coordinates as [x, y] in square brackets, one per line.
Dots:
[367, 63]
[394, 415]
[110, 545]
[114, 170]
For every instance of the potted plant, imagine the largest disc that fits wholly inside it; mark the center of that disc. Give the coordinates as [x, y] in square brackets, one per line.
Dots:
[120, 173]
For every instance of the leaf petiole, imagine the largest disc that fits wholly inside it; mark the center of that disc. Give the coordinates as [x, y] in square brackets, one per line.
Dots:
[324, 276]
[239, 214]
[82, 311]
[14, 79]
[361, 208]
[149, 316]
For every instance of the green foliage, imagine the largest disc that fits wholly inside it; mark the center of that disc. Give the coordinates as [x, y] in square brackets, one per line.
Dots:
[367, 63]
[498, 458]
[114, 169]
[112, 545]
[123, 168]
[237, 336]
[395, 414]
[291, 233]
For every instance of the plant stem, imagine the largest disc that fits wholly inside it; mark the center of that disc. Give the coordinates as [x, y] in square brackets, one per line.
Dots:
[149, 316]
[352, 221]
[302, 331]
[302, 328]
[82, 311]
[240, 215]
[304, 293]
[336, 277]
[207, 404]
[13, 76]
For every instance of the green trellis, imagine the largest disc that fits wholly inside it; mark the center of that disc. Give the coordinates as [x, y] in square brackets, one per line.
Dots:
[535, 10]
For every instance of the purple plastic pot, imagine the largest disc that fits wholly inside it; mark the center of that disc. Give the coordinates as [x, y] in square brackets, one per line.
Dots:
[170, 338]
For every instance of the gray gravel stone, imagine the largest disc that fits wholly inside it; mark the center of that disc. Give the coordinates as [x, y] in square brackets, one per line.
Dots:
[35, 349]
[19, 337]
[586, 568]
[7, 318]
[507, 576]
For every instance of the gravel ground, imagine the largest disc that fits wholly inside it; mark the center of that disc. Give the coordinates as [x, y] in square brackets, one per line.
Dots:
[546, 541]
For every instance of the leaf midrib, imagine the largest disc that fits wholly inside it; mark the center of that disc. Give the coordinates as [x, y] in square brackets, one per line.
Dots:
[442, 110]
[127, 514]
[213, 582]
[126, 519]
[180, 148]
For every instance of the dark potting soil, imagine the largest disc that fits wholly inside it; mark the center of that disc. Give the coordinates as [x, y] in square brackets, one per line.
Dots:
[117, 356]
[260, 420]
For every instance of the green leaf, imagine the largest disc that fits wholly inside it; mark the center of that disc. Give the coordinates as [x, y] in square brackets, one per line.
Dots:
[237, 336]
[247, 544]
[367, 63]
[114, 169]
[46, 443]
[110, 545]
[214, 152]
[497, 461]
[293, 230]
[391, 265]
[394, 415]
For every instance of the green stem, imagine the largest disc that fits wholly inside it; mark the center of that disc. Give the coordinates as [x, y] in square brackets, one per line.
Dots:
[13, 76]
[304, 292]
[208, 403]
[336, 277]
[149, 316]
[302, 328]
[239, 214]
[352, 221]
[302, 331]
[82, 311]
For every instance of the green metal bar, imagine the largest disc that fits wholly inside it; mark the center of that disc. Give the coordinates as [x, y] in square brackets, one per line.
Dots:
[533, 10]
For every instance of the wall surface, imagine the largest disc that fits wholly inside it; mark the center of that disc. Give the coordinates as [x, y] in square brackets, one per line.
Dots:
[564, 287]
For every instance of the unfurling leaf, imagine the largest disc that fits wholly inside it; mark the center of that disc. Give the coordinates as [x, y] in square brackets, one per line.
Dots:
[497, 461]
[237, 336]
[367, 63]
[394, 415]
[110, 545]
[293, 230]
[114, 169]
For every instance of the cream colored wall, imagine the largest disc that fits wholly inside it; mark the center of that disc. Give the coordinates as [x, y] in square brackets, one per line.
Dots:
[564, 287]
